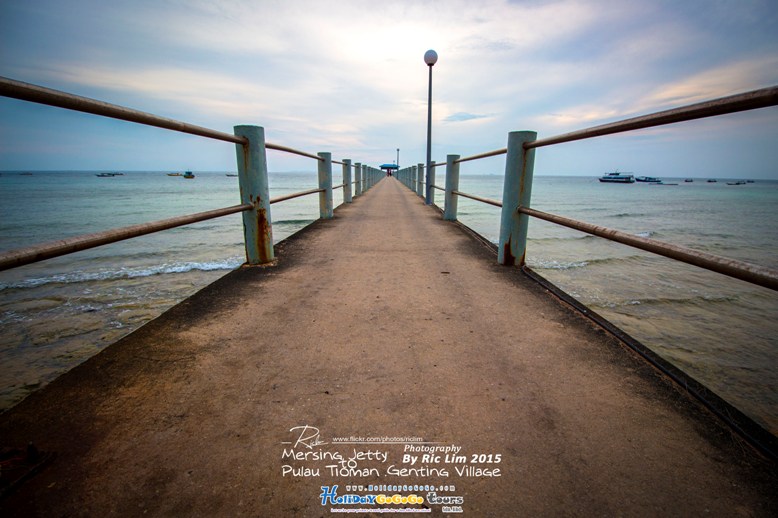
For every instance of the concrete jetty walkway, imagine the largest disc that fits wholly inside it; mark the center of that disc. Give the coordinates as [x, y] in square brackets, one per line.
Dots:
[385, 322]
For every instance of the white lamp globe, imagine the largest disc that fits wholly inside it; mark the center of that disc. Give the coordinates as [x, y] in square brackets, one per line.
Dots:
[430, 57]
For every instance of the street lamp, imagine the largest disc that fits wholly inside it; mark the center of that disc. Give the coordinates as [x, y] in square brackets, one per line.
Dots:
[430, 58]
[398, 157]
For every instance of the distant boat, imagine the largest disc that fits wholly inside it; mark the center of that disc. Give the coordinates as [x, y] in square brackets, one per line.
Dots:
[25, 174]
[648, 179]
[749, 181]
[189, 175]
[711, 181]
[688, 180]
[617, 177]
[105, 175]
[228, 174]
[739, 182]
[174, 174]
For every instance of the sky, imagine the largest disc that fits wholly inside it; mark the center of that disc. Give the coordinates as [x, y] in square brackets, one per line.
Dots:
[348, 77]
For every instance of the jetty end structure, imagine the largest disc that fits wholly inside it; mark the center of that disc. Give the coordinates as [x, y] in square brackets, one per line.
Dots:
[381, 360]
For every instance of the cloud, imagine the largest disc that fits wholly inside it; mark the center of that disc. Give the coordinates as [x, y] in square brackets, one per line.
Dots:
[464, 116]
[729, 78]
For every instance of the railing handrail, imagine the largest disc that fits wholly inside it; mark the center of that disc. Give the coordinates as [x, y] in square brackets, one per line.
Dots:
[51, 97]
[48, 96]
[478, 198]
[294, 195]
[21, 256]
[751, 100]
[742, 270]
[488, 154]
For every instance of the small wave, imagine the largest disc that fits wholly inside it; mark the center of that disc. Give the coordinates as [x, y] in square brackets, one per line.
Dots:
[557, 265]
[647, 233]
[124, 273]
[691, 300]
[626, 215]
[293, 222]
[551, 264]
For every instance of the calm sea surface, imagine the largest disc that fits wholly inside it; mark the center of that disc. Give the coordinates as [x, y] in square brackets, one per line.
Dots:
[724, 332]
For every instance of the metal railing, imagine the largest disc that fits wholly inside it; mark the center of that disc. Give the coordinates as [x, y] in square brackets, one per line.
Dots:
[519, 168]
[516, 211]
[252, 172]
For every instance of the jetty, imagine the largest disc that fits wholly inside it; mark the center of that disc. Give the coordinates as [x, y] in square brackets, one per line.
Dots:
[383, 321]
[381, 358]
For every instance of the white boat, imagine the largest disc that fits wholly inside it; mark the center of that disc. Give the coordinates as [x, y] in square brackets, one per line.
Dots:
[617, 177]
[648, 179]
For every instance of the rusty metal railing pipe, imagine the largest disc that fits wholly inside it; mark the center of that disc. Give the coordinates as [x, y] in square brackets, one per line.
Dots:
[48, 96]
[752, 100]
[478, 198]
[752, 273]
[33, 254]
[292, 151]
[42, 95]
[488, 154]
[294, 195]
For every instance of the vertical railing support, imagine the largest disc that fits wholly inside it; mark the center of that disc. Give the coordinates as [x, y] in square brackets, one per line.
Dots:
[431, 176]
[254, 189]
[346, 180]
[517, 189]
[365, 187]
[420, 180]
[325, 182]
[430, 198]
[357, 179]
[452, 184]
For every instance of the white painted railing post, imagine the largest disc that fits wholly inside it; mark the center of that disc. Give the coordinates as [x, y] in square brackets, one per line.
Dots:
[452, 184]
[357, 179]
[325, 182]
[430, 198]
[517, 189]
[431, 176]
[254, 189]
[346, 180]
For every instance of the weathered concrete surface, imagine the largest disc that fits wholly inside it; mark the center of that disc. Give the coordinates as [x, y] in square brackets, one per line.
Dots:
[385, 321]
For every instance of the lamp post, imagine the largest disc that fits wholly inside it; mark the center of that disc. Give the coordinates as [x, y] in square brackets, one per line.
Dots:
[398, 157]
[430, 58]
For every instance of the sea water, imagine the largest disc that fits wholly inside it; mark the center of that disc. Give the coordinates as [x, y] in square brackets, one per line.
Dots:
[722, 331]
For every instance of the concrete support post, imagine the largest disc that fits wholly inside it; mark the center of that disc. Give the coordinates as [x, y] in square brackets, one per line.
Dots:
[325, 182]
[452, 184]
[254, 189]
[364, 178]
[420, 180]
[517, 189]
[357, 179]
[346, 180]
